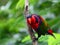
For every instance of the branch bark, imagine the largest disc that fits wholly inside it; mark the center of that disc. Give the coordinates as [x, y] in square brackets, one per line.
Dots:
[26, 12]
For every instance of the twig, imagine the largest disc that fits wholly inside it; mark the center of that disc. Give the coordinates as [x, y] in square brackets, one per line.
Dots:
[26, 12]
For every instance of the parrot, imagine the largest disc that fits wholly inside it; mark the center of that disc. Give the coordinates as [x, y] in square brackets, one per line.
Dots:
[39, 25]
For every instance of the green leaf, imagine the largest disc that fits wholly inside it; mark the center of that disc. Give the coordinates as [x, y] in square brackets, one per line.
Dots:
[13, 4]
[27, 38]
[53, 41]
[20, 4]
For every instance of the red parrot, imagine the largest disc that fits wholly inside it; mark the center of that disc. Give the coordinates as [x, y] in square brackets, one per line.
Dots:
[39, 25]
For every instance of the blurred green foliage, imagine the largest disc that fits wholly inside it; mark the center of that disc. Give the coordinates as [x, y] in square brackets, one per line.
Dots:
[52, 41]
[13, 28]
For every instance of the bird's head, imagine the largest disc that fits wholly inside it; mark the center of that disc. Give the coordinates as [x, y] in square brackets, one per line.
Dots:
[31, 19]
[50, 32]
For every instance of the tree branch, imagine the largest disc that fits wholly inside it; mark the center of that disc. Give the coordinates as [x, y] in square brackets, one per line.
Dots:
[26, 12]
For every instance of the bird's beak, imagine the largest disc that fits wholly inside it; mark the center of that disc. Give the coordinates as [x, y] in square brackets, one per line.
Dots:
[53, 36]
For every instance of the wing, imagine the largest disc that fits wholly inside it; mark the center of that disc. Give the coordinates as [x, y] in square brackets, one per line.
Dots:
[43, 26]
[43, 21]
